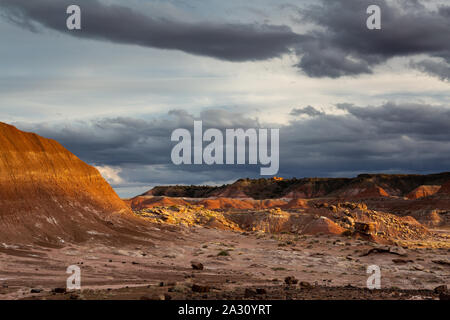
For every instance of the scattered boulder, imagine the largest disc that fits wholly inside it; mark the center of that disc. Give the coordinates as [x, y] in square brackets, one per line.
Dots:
[261, 291]
[167, 296]
[35, 290]
[348, 205]
[365, 227]
[59, 290]
[306, 285]
[197, 265]
[393, 250]
[249, 293]
[322, 205]
[290, 280]
[441, 262]
[398, 250]
[401, 261]
[441, 289]
[200, 288]
[348, 220]
[177, 288]
[418, 267]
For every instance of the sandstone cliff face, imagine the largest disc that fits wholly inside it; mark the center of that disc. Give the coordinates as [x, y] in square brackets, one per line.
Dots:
[48, 194]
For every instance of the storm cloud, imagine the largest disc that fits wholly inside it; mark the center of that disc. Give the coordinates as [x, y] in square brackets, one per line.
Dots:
[339, 43]
[119, 24]
[308, 111]
[440, 69]
[344, 46]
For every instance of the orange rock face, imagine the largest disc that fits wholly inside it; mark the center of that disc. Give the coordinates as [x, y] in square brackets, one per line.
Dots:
[374, 192]
[423, 191]
[48, 194]
[323, 225]
[145, 202]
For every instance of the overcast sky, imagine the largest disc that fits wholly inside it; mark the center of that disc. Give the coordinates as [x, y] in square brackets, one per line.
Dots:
[347, 99]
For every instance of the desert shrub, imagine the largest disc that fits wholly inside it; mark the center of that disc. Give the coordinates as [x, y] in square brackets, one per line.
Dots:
[223, 253]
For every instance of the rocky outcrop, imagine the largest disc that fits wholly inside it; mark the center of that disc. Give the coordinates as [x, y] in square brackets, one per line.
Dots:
[365, 227]
[323, 225]
[49, 195]
[226, 203]
[297, 204]
[429, 218]
[422, 191]
[144, 202]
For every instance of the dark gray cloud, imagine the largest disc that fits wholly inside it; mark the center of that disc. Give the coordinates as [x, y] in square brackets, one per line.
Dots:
[344, 46]
[440, 69]
[308, 111]
[233, 42]
[402, 138]
[339, 45]
[415, 120]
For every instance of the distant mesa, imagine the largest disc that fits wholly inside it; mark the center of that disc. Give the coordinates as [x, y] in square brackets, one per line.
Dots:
[364, 186]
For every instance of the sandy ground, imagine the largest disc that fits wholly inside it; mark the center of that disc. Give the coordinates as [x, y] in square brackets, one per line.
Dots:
[327, 267]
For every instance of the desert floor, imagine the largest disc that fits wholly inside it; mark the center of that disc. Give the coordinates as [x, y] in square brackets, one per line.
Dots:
[236, 266]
